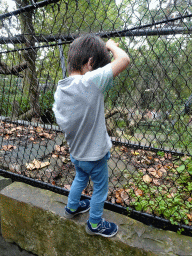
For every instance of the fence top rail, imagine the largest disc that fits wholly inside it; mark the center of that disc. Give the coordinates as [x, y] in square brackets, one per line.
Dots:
[20, 39]
[113, 33]
[27, 8]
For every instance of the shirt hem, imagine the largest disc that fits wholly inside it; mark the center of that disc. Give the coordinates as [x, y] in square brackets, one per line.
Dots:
[91, 158]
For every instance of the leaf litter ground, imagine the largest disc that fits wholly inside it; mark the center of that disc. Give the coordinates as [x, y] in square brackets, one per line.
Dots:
[144, 180]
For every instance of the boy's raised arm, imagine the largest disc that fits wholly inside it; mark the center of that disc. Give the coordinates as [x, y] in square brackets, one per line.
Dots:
[121, 59]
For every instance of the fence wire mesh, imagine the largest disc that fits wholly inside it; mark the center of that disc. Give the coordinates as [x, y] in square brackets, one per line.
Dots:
[148, 111]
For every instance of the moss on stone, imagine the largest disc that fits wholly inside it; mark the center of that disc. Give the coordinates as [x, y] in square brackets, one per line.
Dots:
[33, 218]
[47, 234]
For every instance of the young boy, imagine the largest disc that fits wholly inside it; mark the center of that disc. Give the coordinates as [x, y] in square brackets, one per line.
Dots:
[79, 111]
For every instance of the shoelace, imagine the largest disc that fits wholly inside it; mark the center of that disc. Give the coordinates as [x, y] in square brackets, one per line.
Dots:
[105, 224]
[82, 203]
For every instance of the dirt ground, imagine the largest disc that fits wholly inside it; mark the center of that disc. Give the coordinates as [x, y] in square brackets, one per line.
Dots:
[43, 155]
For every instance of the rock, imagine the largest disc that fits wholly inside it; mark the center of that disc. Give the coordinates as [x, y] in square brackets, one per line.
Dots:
[34, 219]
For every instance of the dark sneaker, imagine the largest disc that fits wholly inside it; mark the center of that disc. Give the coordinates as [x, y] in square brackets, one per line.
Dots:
[84, 206]
[104, 228]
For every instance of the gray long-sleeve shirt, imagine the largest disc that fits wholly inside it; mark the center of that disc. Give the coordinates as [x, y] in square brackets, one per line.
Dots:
[79, 111]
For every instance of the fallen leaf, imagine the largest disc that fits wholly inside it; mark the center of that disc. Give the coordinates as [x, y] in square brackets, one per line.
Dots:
[59, 148]
[124, 149]
[46, 135]
[55, 155]
[156, 182]
[143, 170]
[146, 160]
[8, 147]
[63, 159]
[36, 164]
[161, 171]
[6, 131]
[6, 137]
[13, 129]
[20, 128]
[168, 155]
[147, 178]
[169, 166]
[39, 129]
[118, 193]
[119, 200]
[153, 172]
[124, 195]
[138, 192]
[135, 153]
[189, 216]
[68, 187]
[170, 195]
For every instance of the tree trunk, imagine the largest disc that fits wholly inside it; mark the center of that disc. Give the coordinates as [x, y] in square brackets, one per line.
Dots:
[30, 84]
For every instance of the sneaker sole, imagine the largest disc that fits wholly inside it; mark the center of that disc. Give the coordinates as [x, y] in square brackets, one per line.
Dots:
[70, 216]
[100, 234]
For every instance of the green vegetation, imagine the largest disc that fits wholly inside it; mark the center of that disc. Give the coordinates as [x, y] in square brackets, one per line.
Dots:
[170, 199]
[10, 95]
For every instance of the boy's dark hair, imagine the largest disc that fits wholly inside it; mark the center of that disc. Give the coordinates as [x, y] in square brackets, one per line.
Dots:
[85, 47]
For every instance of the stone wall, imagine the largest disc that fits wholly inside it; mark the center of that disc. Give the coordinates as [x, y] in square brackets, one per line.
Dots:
[33, 219]
[10, 249]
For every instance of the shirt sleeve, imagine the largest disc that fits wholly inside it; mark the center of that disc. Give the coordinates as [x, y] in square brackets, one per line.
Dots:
[101, 77]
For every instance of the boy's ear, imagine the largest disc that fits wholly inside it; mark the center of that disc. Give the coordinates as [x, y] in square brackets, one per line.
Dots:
[90, 63]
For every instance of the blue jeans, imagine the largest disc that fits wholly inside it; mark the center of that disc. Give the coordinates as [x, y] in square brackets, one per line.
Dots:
[98, 171]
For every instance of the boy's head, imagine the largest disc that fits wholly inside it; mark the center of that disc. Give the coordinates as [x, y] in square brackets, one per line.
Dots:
[85, 47]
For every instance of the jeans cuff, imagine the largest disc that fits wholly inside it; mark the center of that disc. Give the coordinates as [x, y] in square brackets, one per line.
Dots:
[94, 220]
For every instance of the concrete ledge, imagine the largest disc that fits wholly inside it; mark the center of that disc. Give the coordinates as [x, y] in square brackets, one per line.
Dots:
[33, 218]
[4, 182]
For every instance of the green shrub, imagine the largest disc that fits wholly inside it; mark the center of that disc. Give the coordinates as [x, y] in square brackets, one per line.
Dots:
[46, 103]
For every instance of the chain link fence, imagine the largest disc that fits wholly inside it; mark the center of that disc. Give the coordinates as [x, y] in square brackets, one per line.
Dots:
[148, 111]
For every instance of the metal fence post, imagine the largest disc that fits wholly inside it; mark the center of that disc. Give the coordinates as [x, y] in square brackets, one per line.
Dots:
[62, 58]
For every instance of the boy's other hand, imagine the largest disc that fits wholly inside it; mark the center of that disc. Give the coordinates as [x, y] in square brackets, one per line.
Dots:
[110, 43]
[121, 59]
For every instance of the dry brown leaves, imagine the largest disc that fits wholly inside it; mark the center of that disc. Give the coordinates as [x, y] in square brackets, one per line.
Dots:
[8, 147]
[189, 216]
[33, 134]
[36, 164]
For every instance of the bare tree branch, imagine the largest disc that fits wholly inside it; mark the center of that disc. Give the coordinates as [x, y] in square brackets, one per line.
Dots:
[111, 113]
[6, 70]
